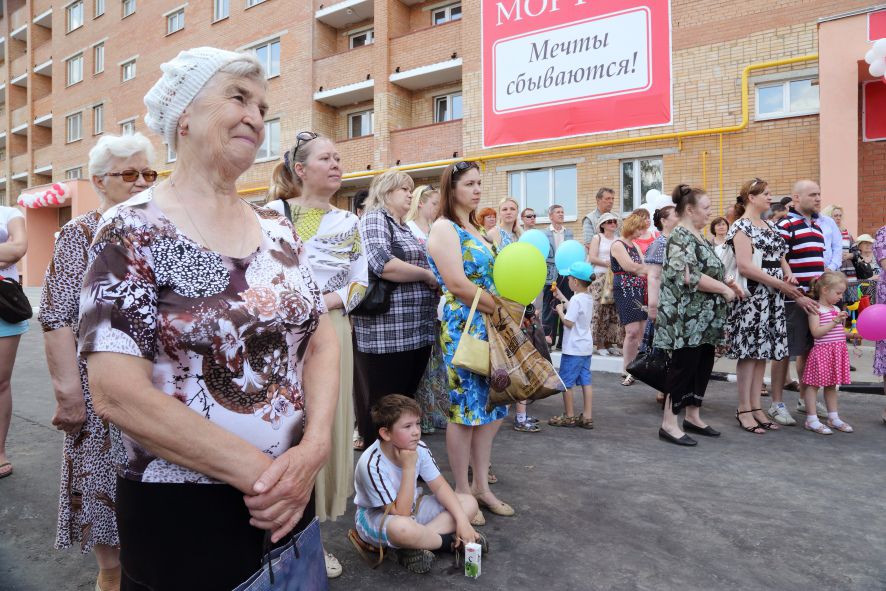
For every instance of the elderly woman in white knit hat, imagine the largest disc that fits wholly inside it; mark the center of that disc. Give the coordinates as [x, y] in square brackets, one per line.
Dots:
[207, 346]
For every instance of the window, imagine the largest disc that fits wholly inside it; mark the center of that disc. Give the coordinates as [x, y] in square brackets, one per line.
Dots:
[74, 173]
[127, 127]
[270, 148]
[98, 119]
[446, 14]
[447, 107]
[360, 39]
[74, 14]
[128, 7]
[251, 3]
[220, 9]
[269, 55]
[128, 70]
[637, 178]
[75, 69]
[789, 98]
[170, 153]
[360, 124]
[99, 8]
[539, 188]
[73, 127]
[98, 58]
[175, 21]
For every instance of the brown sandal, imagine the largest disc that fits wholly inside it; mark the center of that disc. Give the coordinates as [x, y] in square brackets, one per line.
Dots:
[585, 423]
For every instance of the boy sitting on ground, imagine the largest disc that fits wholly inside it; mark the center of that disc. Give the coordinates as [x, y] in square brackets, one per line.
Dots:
[391, 511]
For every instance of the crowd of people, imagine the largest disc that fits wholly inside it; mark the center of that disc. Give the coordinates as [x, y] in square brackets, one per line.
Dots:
[287, 335]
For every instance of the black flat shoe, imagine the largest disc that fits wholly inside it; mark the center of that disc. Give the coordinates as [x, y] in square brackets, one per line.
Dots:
[685, 440]
[707, 431]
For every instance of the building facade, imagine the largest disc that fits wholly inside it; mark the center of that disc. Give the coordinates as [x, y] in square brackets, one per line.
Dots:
[760, 88]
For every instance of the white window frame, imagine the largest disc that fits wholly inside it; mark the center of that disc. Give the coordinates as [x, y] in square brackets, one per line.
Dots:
[171, 155]
[70, 10]
[98, 58]
[361, 114]
[130, 6]
[251, 3]
[124, 69]
[448, 99]
[74, 69]
[98, 119]
[99, 8]
[74, 132]
[75, 173]
[221, 9]
[127, 126]
[266, 146]
[447, 14]
[269, 61]
[785, 100]
[570, 206]
[638, 195]
[175, 21]
[370, 38]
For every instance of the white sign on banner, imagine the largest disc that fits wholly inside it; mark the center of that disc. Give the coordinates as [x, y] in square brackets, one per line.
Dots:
[607, 55]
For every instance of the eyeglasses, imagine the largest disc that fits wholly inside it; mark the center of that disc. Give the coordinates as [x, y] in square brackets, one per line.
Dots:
[303, 138]
[530, 216]
[465, 165]
[131, 175]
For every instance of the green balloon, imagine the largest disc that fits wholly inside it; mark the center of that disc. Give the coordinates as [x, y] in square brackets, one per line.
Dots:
[519, 272]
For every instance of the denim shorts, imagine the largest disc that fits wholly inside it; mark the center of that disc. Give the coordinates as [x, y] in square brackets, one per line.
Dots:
[575, 370]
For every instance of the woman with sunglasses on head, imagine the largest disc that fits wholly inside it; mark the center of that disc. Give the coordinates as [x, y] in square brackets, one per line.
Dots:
[462, 253]
[302, 187]
[207, 345]
[119, 168]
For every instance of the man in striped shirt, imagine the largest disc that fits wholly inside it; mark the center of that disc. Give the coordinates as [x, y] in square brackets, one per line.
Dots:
[806, 247]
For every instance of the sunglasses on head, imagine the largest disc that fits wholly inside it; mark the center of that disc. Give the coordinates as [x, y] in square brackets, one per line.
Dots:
[303, 138]
[465, 165]
[131, 175]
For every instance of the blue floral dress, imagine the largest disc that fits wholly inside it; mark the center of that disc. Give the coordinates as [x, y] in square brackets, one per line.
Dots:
[467, 391]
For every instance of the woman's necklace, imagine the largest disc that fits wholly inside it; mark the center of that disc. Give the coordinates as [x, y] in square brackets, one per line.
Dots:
[196, 227]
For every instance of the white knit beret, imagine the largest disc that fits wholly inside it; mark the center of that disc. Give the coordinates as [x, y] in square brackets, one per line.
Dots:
[183, 77]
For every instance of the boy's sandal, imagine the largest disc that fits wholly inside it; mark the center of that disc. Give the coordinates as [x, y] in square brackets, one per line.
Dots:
[628, 381]
[366, 550]
[6, 473]
[585, 423]
[844, 427]
[526, 427]
[562, 421]
[822, 429]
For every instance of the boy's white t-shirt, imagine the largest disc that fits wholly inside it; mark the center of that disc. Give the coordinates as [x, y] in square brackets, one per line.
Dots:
[377, 479]
[579, 340]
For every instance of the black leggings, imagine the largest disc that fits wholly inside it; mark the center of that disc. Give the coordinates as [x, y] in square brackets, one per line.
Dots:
[188, 536]
[689, 374]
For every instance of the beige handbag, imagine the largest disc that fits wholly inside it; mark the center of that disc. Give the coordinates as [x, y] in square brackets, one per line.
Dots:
[472, 353]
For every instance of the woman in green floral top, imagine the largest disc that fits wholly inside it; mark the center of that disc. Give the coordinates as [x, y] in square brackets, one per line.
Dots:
[691, 317]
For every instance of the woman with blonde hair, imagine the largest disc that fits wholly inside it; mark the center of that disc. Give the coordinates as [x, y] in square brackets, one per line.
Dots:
[508, 224]
[302, 187]
[423, 211]
[393, 347]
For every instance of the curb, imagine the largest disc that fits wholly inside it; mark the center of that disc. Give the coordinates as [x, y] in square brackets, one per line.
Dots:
[858, 388]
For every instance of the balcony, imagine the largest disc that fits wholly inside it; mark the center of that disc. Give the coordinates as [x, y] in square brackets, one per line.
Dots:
[43, 54]
[347, 12]
[18, 19]
[43, 107]
[44, 17]
[20, 166]
[431, 45]
[350, 94]
[20, 116]
[42, 159]
[356, 154]
[20, 65]
[428, 76]
[413, 145]
[342, 69]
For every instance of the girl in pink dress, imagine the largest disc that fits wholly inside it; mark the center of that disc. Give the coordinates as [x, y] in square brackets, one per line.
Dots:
[827, 365]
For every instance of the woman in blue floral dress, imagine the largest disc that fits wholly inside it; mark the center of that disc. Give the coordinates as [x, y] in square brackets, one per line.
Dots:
[461, 255]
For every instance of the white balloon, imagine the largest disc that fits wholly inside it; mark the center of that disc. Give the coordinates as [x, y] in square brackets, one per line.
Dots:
[652, 195]
[878, 68]
[663, 201]
[870, 56]
[880, 48]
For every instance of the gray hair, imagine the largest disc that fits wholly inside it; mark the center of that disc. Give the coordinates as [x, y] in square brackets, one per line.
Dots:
[117, 146]
[246, 65]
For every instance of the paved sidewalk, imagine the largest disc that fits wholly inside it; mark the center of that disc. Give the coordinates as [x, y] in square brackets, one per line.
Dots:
[612, 508]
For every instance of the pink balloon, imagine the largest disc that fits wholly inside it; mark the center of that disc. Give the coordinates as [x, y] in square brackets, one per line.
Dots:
[872, 323]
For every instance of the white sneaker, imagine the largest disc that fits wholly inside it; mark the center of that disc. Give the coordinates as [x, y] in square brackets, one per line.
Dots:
[602, 352]
[779, 413]
[820, 409]
[615, 351]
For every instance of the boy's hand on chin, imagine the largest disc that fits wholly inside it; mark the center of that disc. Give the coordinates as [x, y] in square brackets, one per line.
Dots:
[405, 457]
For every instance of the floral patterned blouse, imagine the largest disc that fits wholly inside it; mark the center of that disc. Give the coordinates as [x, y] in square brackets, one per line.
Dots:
[226, 336]
[688, 317]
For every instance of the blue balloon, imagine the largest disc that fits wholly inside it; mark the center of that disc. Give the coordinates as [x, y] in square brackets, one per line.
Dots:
[537, 239]
[571, 251]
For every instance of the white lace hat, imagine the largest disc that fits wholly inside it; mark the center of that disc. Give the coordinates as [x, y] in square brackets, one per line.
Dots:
[183, 77]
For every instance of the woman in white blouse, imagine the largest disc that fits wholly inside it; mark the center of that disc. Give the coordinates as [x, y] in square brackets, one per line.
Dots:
[301, 188]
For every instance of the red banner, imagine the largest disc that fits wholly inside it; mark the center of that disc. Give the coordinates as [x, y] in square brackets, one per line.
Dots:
[563, 68]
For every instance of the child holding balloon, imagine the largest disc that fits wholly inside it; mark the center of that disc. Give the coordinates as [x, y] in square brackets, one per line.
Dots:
[827, 365]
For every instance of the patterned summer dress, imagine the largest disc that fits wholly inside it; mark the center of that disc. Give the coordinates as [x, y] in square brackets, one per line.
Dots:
[879, 255]
[757, 324]
[828, 361]
[468, 392]
[629, 289]
[88, 476]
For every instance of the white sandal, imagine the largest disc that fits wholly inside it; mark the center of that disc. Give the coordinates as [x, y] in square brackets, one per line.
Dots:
[333, 566]
[822, 429]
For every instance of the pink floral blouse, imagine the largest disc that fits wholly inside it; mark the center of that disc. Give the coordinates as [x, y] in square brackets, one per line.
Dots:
[226, 336]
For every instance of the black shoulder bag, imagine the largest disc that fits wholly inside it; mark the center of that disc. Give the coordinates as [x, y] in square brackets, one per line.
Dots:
[377, 299]
[14, 304]
[651, 365]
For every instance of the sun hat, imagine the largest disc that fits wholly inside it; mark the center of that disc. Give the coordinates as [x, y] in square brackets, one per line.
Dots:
[605, 218]
[580, 270]
[183, 77]
[864, 238]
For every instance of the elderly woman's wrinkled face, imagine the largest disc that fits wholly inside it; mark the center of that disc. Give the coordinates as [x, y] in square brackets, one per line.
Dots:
[866, 248]
[225, 122]
[489, 221]
[721, 229]
[700, 212]
[114, 187]
[321, 172]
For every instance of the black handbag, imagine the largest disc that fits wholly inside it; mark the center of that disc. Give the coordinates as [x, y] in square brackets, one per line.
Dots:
[377, 298]
[651, 365]
[14, 304]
